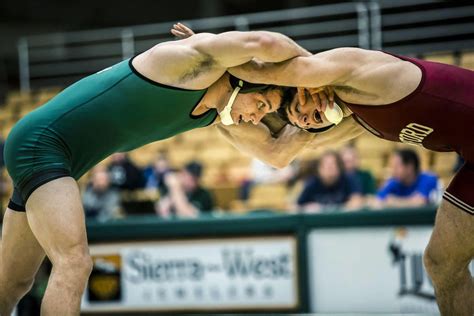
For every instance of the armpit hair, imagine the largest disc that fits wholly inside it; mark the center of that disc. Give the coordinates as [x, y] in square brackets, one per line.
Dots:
[351, 90]
[203, 63]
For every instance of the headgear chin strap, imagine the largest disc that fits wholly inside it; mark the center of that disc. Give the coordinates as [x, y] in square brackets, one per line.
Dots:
[226, 117]
[239, 86]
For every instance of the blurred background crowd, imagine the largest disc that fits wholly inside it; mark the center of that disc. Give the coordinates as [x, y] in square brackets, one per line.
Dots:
[181, 178]
[332, 181]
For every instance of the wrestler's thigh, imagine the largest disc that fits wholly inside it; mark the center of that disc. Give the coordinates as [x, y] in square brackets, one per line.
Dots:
[56, 217]
[21, 254]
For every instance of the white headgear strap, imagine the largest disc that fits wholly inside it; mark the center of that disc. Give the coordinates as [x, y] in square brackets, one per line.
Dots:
[225, 115]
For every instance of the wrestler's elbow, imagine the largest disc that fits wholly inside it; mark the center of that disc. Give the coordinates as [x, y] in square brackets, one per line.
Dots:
[280, 164]
[260, 41]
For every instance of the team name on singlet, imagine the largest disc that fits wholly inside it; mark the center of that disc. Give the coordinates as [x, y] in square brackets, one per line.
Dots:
[414, 134]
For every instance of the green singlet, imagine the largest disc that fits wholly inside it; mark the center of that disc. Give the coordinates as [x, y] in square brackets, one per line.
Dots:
[114, 110]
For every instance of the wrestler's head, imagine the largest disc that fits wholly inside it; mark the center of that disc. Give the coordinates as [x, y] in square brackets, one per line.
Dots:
[304, 116]
[251, 102]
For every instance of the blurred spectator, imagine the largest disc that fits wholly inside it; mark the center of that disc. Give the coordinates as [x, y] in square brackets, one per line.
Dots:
[186, 197]
[261, 173]
[124, 175]
[407, 185]
[100, 200]
[331, 187]
[350, 157]
[155, 173]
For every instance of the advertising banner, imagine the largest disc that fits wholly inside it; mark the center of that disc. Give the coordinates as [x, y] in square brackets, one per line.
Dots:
[370, 270]
[227, 274]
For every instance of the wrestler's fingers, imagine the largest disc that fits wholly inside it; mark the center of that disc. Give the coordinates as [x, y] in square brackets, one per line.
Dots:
[181, 31]
[178, 34]
[302, 95]
[317, 101]
[185, 29]
[323, 99]
[330, 92]
[315, 90]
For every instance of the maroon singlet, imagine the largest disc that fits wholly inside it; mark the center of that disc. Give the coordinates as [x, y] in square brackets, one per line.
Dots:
[438, 115]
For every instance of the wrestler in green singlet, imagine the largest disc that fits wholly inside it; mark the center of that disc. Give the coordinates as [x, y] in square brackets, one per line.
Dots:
[116, 109]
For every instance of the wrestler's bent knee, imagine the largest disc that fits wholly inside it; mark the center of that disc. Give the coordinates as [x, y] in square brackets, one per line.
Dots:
[442, 269]
[76, 266]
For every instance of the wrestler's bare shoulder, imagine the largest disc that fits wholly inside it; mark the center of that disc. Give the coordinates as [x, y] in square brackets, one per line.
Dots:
[376, 78]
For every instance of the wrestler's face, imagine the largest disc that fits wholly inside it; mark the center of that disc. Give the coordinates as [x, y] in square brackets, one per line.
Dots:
[252, 107]
[306, 116]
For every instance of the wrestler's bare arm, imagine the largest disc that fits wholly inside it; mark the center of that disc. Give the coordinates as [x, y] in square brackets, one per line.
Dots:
[257, 141]
[198, 61]
[357, 75]
[322, 69]
[345, 131]
[280, 151]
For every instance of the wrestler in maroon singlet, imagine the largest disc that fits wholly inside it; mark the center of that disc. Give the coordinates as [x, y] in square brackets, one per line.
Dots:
[438, 115]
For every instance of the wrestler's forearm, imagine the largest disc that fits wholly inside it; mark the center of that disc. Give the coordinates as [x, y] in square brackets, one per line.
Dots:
[272, 61]
[268, 73]
[252, 140]
[342, 133]
[257, 141]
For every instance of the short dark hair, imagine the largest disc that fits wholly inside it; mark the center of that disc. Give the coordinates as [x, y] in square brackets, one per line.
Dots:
[409, 157]
[288, 94]
[194, 168]
[283, 109]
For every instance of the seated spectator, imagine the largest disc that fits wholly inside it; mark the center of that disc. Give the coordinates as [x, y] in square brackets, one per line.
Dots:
[186, 197]
[155, 173]
[124, 175]
[100, 200]
[330, 188]
[365, 179]
[407, 185]
[261, 173]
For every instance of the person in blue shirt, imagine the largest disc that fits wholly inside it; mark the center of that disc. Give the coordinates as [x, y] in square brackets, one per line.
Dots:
[408, 186]
[330, 188]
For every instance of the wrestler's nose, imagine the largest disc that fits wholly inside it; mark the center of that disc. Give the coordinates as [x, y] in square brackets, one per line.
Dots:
[304, 120]
[255, 118]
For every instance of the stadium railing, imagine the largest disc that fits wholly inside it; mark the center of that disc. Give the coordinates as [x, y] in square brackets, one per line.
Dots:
[404, 26]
